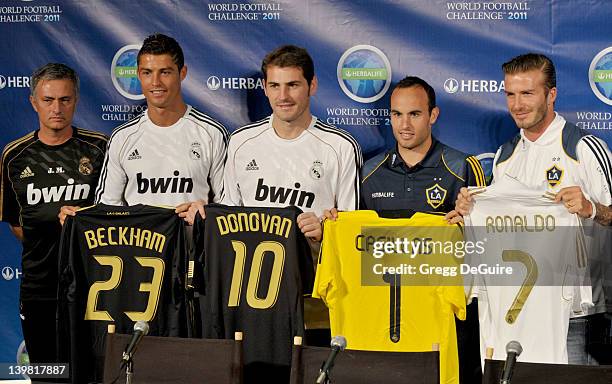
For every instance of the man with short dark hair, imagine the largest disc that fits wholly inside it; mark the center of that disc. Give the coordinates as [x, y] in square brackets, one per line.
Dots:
[56, 165]
[291, 157]
[170, 155]
[419, 173]
[423, 175]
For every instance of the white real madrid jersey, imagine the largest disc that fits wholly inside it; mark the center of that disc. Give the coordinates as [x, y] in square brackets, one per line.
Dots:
[544, 246]
[315, 171]
[149, 164]
[562, 156]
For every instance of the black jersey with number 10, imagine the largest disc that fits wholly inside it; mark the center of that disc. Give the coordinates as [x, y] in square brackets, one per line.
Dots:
[118, 265]
[257, 268]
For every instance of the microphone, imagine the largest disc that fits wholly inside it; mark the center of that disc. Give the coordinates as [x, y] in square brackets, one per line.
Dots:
[337, 344]
[141, 328]
[513, 350]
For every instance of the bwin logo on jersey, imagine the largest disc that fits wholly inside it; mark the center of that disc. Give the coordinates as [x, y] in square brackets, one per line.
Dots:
[57, 193]
[554, 175]
[283, 195]
[164, 184]
[435, 195]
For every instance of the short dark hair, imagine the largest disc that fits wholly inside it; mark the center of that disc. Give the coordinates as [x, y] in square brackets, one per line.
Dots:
[160, 44]
[54, 71]
[413, 81]
[289, 56]
[531, 61]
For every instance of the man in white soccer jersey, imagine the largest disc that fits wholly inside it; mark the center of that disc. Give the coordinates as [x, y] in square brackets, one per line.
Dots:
[291, 157]
[551, 153]
[54, 165]
[170, 155]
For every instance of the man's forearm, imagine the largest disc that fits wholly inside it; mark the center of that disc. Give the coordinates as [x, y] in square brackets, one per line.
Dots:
[603, 214]
[17, 231]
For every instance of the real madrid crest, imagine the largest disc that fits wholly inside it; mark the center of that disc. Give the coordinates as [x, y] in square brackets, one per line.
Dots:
[196, 151]
[85, 166]
[554, 175]
[435, 195]
[316, 171]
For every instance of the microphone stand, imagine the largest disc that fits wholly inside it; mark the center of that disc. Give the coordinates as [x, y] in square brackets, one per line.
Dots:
[326, 380]
[129, 371]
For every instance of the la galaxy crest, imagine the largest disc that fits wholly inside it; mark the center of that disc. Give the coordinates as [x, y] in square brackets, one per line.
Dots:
[435, 195]
[554, 175]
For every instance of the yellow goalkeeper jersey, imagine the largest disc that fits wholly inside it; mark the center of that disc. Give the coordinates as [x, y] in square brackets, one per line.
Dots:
[380, 311]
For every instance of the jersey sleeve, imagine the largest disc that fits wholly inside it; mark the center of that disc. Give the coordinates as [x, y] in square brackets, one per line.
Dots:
[113, 179]
[596, 169]
[66, 290]
[9, 207]
[475, 176]
[196, 255]
[218, 161]
[495, 174]
[231, 188]
[351, 162]
[324, 284]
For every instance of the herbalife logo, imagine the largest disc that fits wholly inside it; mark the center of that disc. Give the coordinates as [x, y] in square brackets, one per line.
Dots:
[14, 82]
[8, 273]
[600, 75]
[124, 72]
[213, 83]
[134, 155]
[252, 166]
[451, 85]
[364, 73]
[27, 172]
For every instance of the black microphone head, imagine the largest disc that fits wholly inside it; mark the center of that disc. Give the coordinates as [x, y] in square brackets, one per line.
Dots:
[338, 342]
[142, 326]
[515, 347]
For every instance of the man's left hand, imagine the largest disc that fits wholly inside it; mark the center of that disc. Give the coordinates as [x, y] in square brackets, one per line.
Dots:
[310, 225]
[187, 211]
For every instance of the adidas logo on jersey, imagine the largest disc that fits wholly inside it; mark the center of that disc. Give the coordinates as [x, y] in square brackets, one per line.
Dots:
[164, 184]
[134, 155]
[284, 195]
[57, 193]
[252, 166]
[27, 172]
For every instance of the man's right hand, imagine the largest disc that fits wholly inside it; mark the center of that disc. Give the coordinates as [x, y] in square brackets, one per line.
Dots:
[465, 202]
[66, 210]
[463, 207]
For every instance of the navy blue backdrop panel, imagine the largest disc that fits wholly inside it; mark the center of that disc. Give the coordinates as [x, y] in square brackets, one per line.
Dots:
[360, 49]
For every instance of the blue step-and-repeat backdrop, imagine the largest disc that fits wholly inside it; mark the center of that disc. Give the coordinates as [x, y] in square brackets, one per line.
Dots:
[360, 49]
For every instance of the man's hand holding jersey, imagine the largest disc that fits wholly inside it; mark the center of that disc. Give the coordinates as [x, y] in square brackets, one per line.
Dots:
[187, 211]
[67, 210]
[463, 206]
[575, 201]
